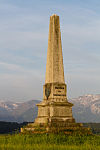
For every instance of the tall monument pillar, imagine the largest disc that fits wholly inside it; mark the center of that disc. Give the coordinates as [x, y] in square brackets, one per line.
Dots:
[54, 110]
[54, 68]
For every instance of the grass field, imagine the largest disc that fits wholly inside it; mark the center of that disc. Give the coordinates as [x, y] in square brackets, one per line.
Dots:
[49, 142]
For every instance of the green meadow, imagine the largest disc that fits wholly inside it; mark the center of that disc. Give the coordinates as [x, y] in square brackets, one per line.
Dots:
[49, 142]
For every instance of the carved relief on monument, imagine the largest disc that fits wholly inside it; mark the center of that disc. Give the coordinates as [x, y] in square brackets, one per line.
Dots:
[47, 90]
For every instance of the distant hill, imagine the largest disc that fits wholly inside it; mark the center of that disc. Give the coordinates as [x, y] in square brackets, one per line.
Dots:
[86, 109]
[18, 112]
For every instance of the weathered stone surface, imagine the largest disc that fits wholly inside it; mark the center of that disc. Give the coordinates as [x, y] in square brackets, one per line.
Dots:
[54, 112]
[54, 67]
[54, 109]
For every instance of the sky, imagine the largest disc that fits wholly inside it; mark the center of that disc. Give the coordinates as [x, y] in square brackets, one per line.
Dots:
[24, 27]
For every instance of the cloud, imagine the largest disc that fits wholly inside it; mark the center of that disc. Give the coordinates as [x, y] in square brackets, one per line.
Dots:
[20, 87]
[81, 43]
[23, 47]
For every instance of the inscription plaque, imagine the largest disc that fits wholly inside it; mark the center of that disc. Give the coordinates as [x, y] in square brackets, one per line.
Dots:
[59, 90]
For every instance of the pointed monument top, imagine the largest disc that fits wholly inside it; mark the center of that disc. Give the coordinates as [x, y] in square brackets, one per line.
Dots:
[54, 15]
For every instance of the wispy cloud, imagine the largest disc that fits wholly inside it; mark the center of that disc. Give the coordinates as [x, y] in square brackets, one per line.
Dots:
[23, 46]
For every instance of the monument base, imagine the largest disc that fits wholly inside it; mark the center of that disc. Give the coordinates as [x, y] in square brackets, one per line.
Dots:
[55, 117]
[70, 129]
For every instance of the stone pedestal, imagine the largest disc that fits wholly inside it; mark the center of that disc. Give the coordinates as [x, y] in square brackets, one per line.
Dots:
[54, 113]
[54, 110]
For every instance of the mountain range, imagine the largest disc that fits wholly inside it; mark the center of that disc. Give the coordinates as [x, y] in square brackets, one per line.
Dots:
[18, 112]
[86, 109]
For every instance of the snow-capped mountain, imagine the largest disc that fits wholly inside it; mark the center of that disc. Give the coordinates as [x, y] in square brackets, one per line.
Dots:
[9, 105]
[86, 109]
[18, 112]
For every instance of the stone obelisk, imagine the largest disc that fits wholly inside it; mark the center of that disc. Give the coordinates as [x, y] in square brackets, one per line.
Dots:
[54, 68]
[54, 110]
